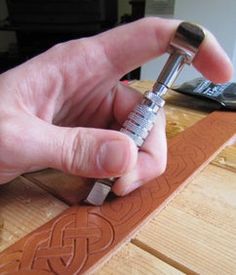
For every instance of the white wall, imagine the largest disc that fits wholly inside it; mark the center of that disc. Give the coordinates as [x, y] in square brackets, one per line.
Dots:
[5, 37]
[218, 16]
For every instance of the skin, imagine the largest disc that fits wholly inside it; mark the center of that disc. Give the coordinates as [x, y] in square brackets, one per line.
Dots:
[54, 109]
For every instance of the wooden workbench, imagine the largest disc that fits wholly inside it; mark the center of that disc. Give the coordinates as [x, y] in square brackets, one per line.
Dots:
[195, 233]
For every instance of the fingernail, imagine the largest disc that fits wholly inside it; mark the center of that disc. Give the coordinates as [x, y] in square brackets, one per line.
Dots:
[131, 187]
[113, 157]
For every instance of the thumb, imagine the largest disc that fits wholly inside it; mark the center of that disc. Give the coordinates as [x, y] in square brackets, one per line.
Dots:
[82, 151]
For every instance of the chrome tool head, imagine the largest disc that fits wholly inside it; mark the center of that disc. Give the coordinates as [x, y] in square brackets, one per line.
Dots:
[187, 39]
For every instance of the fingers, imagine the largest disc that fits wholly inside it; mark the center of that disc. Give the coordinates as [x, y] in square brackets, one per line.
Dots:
[151, 161]
[80, 151]
[130, 46]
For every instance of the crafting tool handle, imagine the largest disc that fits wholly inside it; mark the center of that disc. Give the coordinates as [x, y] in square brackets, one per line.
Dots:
[141, 120]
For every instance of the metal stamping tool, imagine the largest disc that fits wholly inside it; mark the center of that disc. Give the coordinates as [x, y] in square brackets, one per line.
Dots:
[183, 48]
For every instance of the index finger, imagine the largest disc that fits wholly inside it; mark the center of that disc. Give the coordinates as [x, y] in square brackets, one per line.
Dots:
[131, 45]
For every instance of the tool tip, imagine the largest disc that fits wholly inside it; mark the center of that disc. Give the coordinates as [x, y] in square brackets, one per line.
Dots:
[193, 34]
[98, 194]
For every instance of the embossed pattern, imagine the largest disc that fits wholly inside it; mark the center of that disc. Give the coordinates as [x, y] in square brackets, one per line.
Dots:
[82, 237]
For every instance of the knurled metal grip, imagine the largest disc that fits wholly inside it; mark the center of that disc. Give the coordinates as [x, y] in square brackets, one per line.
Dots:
[141, 120]
[183, 48]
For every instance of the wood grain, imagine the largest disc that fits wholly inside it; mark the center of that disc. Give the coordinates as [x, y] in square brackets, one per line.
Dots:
[177, 120]
[23, 208]
[227, 159]
[133, 260]
[82, 237]
[197, 230]
[141, 86]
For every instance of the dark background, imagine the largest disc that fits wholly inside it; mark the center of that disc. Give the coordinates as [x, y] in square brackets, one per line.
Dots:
[40, 24]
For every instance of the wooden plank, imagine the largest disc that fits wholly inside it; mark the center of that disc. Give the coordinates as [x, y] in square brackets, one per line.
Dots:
[178, 119]
[227, 159]
[68, 188]
[24, 207]
[133, 260]
[198, 229]
[142, 86]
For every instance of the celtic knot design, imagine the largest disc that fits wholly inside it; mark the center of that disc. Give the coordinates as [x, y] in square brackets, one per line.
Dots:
[62, 249]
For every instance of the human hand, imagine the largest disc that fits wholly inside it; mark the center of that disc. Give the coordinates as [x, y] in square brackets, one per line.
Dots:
[55, 107]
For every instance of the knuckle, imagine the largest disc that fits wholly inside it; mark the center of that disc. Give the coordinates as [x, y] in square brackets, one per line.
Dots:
[59, 46]
[9, 135]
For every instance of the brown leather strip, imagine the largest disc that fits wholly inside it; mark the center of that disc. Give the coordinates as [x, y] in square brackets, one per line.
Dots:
[83, 237]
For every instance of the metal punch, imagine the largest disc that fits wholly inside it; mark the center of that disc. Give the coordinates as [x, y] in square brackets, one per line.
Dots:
[183, 48]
